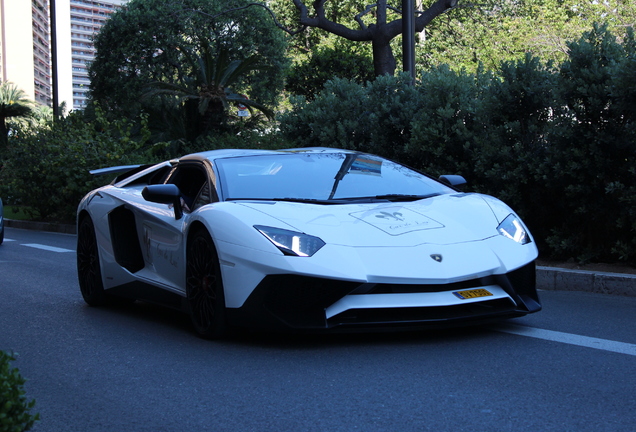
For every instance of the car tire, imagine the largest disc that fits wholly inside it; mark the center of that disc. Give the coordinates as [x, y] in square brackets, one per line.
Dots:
[89, 272]
[204, 287]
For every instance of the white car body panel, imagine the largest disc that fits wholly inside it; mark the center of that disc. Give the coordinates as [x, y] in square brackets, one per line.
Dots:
[377, 301]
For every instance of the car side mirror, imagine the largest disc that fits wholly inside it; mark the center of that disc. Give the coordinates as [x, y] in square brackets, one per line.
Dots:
[165, 194]
[452, 180]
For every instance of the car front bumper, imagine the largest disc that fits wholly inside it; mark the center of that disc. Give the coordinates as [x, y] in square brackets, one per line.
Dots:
[294, 302]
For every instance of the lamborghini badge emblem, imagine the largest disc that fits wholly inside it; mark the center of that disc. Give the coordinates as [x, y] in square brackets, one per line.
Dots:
[437, 257]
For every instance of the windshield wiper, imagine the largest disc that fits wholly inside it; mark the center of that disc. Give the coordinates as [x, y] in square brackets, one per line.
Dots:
[404, 197]
[346, 200]
[307, 200]
[287, 199]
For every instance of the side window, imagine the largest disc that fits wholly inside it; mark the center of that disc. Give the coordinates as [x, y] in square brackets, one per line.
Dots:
[204, 196]
[192, 181]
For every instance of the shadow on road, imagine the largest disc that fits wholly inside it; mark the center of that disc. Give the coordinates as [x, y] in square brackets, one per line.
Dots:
[147, 317]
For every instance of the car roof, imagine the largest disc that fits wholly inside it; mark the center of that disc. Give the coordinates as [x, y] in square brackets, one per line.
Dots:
[230, 153]
[211, 155]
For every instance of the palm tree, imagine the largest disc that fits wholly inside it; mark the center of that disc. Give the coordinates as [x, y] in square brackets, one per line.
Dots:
[207, 85]
[13, 103]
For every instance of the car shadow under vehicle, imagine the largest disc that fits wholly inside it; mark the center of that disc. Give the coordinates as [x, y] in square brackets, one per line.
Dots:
[150, 316]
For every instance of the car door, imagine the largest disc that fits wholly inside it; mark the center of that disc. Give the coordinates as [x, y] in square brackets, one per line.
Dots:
[163, 234]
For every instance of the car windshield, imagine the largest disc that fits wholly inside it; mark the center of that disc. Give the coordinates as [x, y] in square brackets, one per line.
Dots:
[322, 177]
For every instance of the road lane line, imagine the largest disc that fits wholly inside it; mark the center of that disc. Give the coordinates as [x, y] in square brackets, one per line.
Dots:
[47, 248]
[568, 338]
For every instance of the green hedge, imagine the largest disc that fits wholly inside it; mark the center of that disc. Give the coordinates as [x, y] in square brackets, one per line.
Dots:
[15, 409]
[47, 172]
[345, 60]
[555, 142]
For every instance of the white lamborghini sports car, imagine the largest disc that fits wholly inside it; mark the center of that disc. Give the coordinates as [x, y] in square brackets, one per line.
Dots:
[304, 239]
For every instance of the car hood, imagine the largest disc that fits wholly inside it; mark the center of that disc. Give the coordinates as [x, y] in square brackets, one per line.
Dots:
[445, 219]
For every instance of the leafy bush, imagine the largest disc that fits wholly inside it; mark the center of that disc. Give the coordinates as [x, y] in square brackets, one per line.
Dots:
[15, 409]
[430, 126]
[591, 156]
[519, 104]
[246, 138]
[309, 76]
[48, 172]
[447, 124]
[334, 119]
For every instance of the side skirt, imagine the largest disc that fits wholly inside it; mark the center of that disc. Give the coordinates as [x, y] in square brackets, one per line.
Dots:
[146, 292]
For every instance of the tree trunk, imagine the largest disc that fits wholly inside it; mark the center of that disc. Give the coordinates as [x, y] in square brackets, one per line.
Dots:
[213, 116]
[383, 58]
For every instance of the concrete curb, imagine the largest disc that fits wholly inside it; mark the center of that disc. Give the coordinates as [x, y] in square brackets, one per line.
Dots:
[41, 226]
[554, 278]
[548, 278]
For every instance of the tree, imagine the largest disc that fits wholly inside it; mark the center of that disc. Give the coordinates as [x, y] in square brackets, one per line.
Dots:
[208, 86]
[507, 30]
[372, 24]
[13, 103]
[141, 43]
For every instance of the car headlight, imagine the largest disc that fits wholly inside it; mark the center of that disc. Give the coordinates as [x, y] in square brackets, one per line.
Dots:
[291, 242]
[513, 229]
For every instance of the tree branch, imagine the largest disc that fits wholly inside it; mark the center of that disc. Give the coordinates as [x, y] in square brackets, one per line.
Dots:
[366, 10]
[436, 9]
[320, 21]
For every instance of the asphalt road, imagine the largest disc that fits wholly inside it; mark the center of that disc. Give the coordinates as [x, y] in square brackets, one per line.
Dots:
[571, 367]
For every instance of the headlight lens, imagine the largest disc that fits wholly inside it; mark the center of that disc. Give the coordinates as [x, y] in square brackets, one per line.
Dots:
[291, 242]
[513, 229]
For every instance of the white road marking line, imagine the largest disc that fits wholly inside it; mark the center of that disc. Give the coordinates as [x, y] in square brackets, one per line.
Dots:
[8, 239]
[47, 248]
[568, 338]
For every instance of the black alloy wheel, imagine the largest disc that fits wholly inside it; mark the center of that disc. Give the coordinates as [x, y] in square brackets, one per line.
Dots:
[204, 287]
[88, 269]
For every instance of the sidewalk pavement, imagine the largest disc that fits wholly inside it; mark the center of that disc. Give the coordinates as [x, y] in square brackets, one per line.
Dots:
[548, 278]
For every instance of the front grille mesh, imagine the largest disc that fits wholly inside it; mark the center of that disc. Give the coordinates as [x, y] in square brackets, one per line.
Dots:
[423, 314]
[426, 288]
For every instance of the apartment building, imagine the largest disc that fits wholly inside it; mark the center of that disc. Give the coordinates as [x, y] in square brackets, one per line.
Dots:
[25, 50]
[86, 18]
[25, 46]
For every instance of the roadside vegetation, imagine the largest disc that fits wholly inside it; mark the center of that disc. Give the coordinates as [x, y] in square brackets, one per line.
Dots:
[528, 100]
[15, 408]
[557, 143]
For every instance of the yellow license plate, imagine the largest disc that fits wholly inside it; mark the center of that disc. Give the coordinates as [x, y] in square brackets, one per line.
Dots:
[474, 293]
